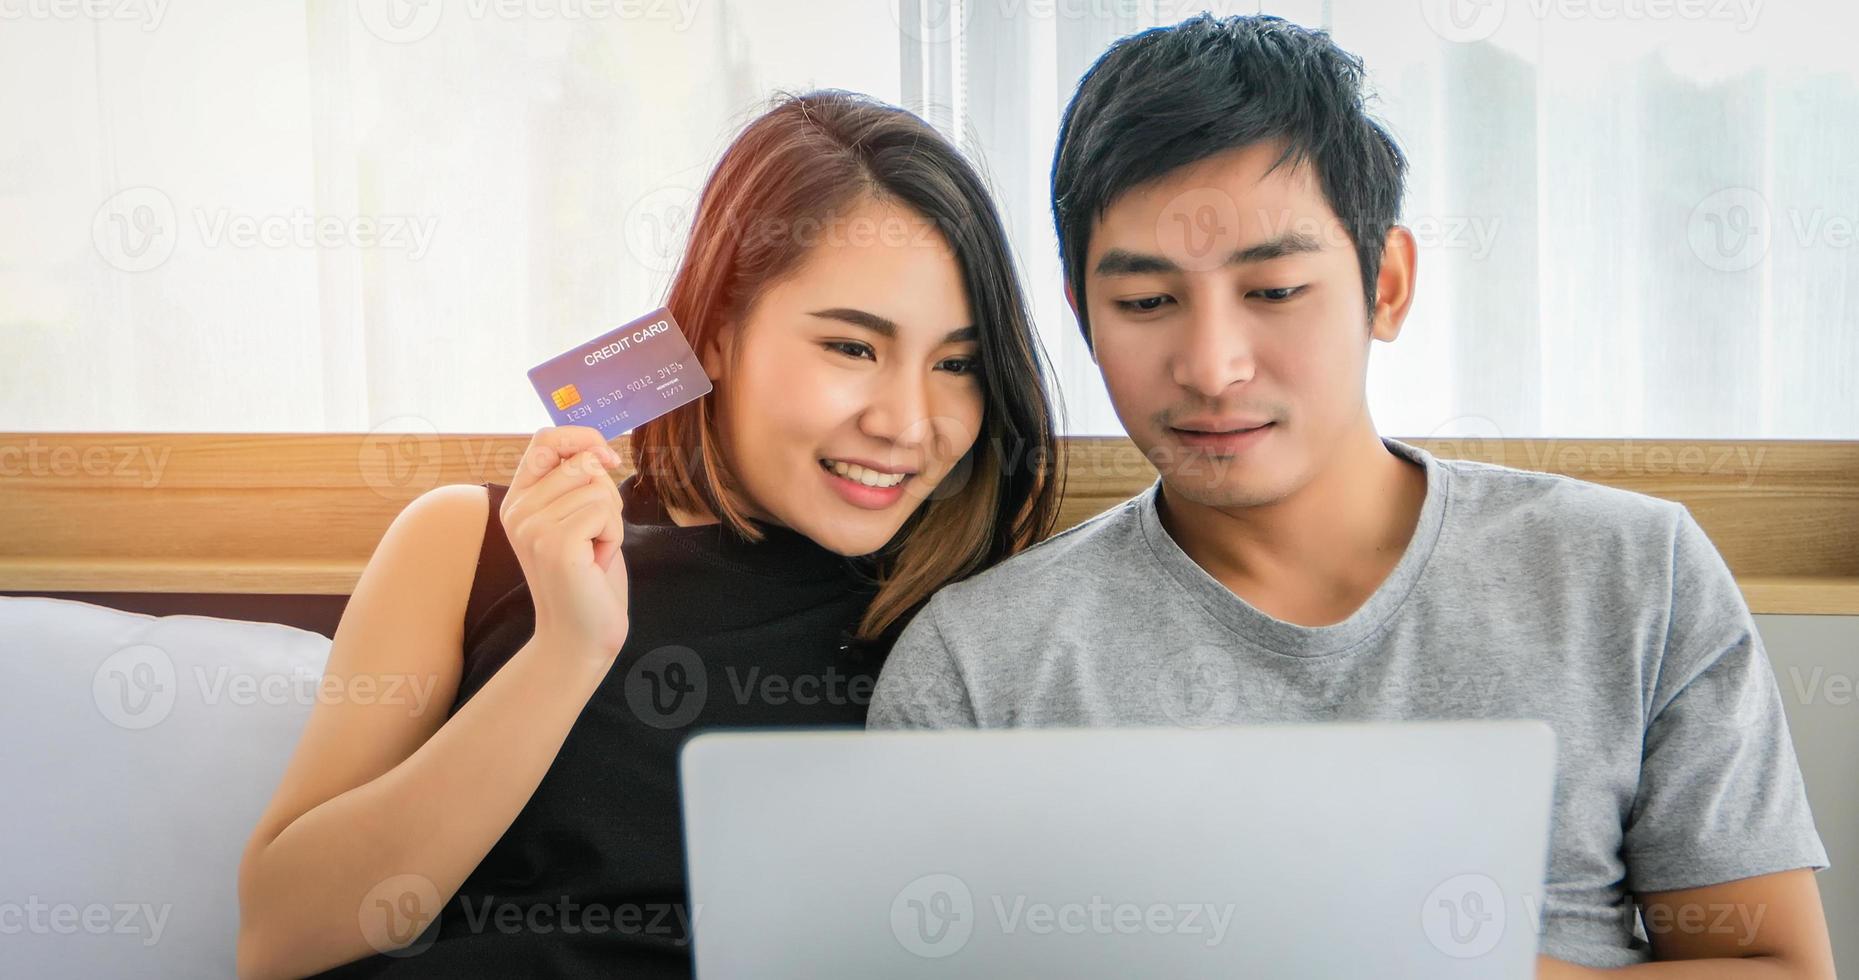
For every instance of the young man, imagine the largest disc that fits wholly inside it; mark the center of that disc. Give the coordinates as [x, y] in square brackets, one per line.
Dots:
[1226, 214]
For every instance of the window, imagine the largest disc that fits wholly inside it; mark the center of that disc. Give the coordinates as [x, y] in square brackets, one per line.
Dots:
[1637, 219]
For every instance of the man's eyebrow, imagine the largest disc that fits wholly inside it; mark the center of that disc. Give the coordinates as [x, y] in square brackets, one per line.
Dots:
[886, 328]
[1123, 262]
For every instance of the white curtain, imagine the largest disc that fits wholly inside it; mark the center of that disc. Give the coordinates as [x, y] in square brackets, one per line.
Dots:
[1638, 217]
[348, 215]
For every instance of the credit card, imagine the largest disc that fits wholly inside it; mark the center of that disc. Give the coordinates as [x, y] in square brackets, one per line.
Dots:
[624, 378]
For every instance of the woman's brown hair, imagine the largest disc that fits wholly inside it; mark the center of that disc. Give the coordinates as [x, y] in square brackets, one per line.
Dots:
[796, 166]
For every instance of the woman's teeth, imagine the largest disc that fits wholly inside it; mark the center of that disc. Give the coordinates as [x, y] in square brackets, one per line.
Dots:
[859, 474]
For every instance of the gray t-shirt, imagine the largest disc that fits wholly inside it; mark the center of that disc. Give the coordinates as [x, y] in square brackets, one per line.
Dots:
[1605, 613]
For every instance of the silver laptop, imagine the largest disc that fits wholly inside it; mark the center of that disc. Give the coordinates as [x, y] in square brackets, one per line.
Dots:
[1401, 850]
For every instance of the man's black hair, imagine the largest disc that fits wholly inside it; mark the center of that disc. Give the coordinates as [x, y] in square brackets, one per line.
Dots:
[1172, 96]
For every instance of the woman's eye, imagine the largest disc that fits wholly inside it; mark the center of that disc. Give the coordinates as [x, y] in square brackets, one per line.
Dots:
[962, 365]
[1148, 304]
[851, 348]
[1278, 295]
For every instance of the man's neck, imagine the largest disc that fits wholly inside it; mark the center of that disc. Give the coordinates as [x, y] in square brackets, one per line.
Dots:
[1314, 557]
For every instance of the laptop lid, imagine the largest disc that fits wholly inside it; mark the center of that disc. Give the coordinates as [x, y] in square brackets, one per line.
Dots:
[1405, 849]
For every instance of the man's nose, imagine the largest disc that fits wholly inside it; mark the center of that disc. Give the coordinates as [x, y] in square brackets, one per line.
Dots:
[1216, 352]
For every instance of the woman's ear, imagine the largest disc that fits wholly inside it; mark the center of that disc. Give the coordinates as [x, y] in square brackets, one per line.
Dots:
[715, 352]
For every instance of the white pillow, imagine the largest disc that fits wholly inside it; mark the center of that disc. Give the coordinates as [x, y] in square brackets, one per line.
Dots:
[136, 753]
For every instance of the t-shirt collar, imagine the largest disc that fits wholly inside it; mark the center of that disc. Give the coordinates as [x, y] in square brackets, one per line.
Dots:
[1277, 636]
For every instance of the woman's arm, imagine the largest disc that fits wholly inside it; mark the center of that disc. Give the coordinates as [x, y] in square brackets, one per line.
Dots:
[382, 787]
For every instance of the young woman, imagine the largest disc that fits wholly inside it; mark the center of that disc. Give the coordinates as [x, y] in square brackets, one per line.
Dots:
[878, 428]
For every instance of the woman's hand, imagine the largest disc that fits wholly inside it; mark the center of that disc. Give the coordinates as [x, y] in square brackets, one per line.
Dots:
[563, 517]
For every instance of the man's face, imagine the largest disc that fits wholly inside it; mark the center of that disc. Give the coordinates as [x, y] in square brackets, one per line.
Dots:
[1227, 315]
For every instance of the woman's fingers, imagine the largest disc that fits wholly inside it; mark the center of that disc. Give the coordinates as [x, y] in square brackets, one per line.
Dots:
[573, 471]
[552, 444]
[543, 528]
[607, 539]
[598, 519]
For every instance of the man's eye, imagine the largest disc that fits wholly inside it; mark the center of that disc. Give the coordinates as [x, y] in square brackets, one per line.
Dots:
[851, 348]
[1278, 295]
[1148, 304]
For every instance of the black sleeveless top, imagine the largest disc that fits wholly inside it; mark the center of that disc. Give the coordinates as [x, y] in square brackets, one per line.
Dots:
[589, 878]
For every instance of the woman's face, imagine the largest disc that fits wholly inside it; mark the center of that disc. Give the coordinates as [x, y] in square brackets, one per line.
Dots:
[851, 388]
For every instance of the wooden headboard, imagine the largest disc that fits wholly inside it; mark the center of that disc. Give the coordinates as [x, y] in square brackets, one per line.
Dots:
[279, 526]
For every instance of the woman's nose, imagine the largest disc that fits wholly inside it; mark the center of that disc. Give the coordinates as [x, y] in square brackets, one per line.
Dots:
[898, 411]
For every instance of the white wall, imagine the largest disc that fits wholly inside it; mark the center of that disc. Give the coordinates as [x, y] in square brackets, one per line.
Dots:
[1816, 660]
